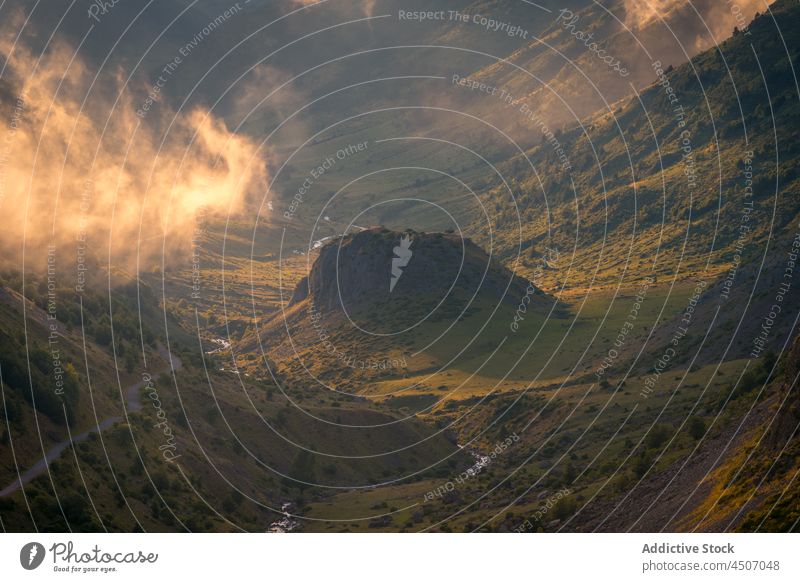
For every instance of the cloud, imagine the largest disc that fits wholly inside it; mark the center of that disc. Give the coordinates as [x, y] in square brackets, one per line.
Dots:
[367, 6]
[720, 16]
[76, 165]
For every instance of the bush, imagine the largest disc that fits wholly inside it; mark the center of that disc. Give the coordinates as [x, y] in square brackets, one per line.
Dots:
[564, 508]
[657, 436]
[697, 428]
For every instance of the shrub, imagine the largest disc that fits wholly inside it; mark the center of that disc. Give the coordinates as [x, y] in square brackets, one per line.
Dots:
[697, 428]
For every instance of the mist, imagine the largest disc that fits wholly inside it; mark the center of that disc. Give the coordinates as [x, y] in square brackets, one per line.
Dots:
[83, 165]
[689, 18]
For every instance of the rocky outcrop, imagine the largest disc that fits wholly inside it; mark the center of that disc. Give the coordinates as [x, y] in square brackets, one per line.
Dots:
[376, 267]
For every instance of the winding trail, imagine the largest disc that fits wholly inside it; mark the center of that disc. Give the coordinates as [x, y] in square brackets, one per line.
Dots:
[133, 404]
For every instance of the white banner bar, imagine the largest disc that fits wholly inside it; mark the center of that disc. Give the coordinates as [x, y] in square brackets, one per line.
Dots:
[401, 557]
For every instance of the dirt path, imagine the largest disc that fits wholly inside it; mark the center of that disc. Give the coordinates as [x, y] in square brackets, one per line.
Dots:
[133, 402]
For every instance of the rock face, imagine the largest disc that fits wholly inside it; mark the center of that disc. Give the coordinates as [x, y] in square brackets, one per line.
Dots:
[378, 267]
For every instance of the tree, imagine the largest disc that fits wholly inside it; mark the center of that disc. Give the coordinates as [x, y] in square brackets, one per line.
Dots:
[72, 392]
[102, 331]
[768, 363]
[642, 465]
[569, 474]
[302, 470]
[564, 508]
[130, 362]
[697, 428]
[657, 436]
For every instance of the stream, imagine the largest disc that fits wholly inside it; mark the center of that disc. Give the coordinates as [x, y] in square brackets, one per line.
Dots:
[287, 523]
[481, 461]
[222, 344]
